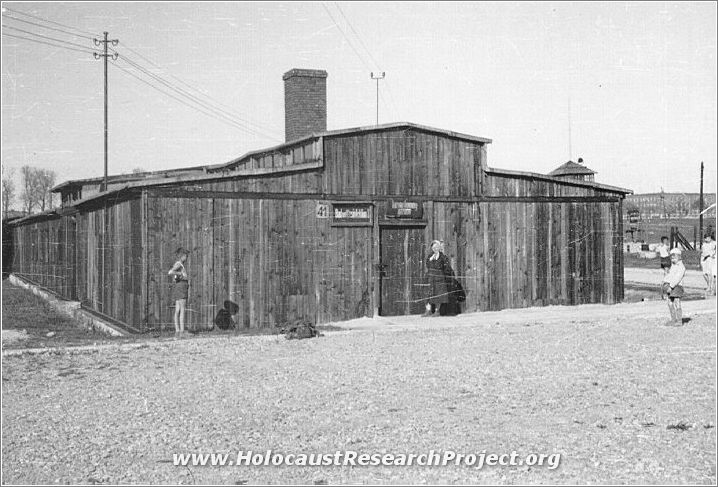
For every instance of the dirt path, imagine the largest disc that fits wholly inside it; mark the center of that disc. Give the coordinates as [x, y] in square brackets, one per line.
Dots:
[621, 398]
[693, 278]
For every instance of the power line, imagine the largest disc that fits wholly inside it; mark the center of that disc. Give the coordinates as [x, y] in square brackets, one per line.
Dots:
[210, 104]
[46, 43]
[376, 64]
[381, 95]
[194, 99]
[196, 90]
[45, 37]
[361, 41]
[49, 21]
[366, 65]
[46, 27]
[180, 100]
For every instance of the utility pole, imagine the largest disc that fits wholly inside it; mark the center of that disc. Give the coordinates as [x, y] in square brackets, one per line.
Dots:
[105, 42]
[570, 151]
[700, 210]
[377, 77]
[105, 55]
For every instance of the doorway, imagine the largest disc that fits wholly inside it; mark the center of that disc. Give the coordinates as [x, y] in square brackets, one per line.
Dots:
[402, 277]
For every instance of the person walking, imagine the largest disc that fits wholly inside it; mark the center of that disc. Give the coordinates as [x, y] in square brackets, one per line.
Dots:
[673, 288]
[180, 290]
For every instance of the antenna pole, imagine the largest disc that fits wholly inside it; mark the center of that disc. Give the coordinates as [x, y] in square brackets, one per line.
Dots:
[377, 77]
[570, 151]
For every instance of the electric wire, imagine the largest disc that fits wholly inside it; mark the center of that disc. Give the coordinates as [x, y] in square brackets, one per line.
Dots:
[45, 37]
[46, 27]
[49, 21]
[209, 100]
[193, 99]
[351, 44]
[366, 65]
[218, 113]
[46, 43]
[363, 45]
[180, 100]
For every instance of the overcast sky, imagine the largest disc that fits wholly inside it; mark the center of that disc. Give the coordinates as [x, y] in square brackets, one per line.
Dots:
[640, 77]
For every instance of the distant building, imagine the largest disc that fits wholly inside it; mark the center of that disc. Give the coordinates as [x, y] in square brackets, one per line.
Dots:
[667, 205]
[573, 170]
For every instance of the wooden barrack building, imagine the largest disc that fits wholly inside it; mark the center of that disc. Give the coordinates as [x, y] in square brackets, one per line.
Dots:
[331, 225]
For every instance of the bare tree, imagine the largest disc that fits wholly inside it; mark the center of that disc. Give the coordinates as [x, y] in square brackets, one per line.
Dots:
[8, 193]
[29, 195]
[45, 182]
[37, 183]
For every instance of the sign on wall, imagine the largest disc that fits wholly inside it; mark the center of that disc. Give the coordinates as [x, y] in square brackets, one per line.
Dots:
[412, 210]
[322, 210]
[352, 214]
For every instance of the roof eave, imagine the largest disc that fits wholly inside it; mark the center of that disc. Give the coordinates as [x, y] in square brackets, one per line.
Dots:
[574, 182]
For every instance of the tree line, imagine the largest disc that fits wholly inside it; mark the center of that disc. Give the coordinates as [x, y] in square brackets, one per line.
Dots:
[34, 192]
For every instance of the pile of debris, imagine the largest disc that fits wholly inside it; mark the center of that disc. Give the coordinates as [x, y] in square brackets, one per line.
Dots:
[300, 329]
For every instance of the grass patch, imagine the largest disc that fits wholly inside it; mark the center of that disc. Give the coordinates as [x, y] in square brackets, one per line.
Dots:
[34, 319]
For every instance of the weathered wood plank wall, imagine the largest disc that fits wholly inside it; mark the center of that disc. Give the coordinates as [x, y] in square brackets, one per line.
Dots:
[514, 255]
[278, 261]
[44, 253]
[109, 261]
[401, 162]
[273, 258]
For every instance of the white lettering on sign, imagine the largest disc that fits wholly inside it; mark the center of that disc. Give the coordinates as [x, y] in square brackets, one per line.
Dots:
[405, 205]
[351, 212]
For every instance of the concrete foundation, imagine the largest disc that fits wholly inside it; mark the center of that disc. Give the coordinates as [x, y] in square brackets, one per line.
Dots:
[71, 309]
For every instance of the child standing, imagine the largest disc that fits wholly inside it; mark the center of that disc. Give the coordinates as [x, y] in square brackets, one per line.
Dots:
[180, 290]
[664, 250]
[673, 288]
[708, 257]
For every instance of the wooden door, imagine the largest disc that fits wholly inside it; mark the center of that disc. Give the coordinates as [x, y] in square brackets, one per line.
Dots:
[402, 275]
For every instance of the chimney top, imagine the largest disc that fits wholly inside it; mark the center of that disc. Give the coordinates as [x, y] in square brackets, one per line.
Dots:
[305, 102]
[305, 73]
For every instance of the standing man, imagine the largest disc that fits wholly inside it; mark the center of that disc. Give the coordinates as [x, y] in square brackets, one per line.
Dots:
[673, 288]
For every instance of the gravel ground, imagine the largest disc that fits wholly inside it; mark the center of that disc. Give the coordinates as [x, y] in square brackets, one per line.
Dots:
[623, 399]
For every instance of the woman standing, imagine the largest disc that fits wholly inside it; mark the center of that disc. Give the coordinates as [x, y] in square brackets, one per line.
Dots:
[180, 290]
[438, 267]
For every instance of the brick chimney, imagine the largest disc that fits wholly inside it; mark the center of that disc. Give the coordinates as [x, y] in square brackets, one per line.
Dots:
[305, 102]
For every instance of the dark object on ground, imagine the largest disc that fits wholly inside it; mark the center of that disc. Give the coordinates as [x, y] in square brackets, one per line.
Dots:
[682, 426]
[301, 329]
[224, 320]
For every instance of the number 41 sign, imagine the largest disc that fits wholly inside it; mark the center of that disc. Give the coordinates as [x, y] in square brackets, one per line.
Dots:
[322, 210]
